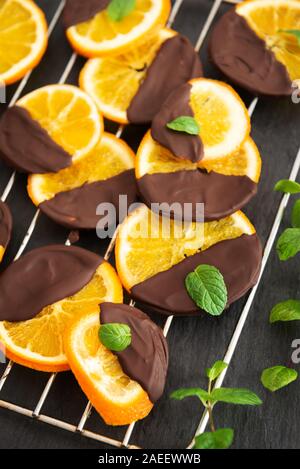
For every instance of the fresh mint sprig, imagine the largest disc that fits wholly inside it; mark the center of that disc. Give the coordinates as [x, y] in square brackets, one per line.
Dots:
[117, 10]
[278, 377]
[186, 124]
[223, 437]
[115, 336]
[207, 288]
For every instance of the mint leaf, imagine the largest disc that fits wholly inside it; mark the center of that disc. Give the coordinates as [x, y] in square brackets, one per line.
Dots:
[294, 32]
[115, 337]
[278, 377]
[286, 311]
[207, 288]
[296, 214]
[288, 244]
[190, 392]
[235, 396]
[287, 186]
[185, 124]
[215, 371]
[220, 439]
[119, 9]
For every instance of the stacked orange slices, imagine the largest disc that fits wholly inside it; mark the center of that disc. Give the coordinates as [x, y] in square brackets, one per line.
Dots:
[64, 335]
[23, 38]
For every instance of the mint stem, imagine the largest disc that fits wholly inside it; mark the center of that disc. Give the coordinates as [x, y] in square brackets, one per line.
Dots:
[209, 409]
[211, 419]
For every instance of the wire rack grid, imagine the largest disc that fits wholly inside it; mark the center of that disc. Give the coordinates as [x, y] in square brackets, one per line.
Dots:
[36, 413]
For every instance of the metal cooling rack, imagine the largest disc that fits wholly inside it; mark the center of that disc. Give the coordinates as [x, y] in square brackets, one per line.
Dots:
[36, 412]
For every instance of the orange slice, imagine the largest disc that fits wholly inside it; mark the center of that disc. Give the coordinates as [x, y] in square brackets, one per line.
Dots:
[109, 158]
[271, 19]
[153, 158]
[69, 116]
[222, 116]
[102, 36]
[118, 399]
[148, 244]
[114, 81]
[38, 343]
[23, 38]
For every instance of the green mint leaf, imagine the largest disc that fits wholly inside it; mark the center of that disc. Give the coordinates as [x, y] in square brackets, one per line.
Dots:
[119, 9]
[294, 32]
[286, 311]
[115, 337]
[278, 377]
[235, 396]
[288, 244]
[186, 124]
[190, 392]
[207, 288]
[220, 439]
[287, 186]
[215, 371]
[296, 214]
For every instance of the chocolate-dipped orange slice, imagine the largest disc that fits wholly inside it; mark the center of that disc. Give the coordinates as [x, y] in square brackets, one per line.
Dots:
[41, 292]
[256, 46]
[123, 385]
[132, 86]
[23, 38]
[223, 187]
[71, 196]
[5, 228]
[222, 121]
[155, 254]
[96, 27]
[49, 128]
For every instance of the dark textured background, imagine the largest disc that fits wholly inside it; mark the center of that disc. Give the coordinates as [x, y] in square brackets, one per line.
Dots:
[194, 342]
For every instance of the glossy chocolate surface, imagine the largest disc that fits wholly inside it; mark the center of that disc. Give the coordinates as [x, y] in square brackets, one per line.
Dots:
[239, 261]
[42, 277]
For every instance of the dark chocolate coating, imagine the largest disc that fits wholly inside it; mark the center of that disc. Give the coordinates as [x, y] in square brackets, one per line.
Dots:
[27, 147]
[79, 11]
[244, 58]
[77, 208]
[239, 261]
[5, 224]
[221, 194]
[42, 277]
[176, 63]
[181, 144]
[146, 359]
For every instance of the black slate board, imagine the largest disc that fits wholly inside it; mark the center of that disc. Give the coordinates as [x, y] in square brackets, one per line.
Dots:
[194, 343]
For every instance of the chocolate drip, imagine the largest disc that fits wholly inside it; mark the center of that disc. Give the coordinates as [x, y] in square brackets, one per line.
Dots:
[79, 11]
[220, 194]
[5, 224]
[176, 63]
[239, 261]
[241, 55]
[77, 208]
[181, 144]
[146, 359]
[43, 277]
[26, 146]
